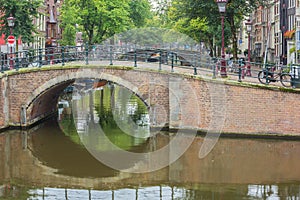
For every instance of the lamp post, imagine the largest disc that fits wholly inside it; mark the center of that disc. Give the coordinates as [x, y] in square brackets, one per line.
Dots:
[249, 29]
[11, 24]
[222, 10]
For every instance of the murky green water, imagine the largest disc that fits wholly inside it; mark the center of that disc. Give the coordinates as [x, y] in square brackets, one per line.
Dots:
[59, 158]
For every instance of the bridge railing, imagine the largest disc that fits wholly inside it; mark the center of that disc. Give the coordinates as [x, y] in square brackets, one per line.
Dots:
[194, 62]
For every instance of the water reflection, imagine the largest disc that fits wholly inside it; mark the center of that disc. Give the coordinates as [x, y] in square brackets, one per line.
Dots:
[51, 162]
[236, 169]
[115, 111]
[65, 153]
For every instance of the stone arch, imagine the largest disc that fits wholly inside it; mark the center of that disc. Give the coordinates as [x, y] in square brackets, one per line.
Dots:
[57, 84]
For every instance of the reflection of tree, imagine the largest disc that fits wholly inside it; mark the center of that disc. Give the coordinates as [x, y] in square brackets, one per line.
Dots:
[112, 106]
[129, 107]
[115, 99]
[140, 112]
[103, 108]
[67, 125]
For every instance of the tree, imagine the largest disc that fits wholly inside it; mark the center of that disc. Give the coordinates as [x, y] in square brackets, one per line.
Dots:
[161, 8]
[69, 23]
[143, 36]
[115, 18]
[24, 12]
[140, 12]
[208, 10]
[68, 35]
[101, 19]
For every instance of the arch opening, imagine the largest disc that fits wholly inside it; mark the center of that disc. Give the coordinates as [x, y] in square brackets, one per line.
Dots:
[44, 99]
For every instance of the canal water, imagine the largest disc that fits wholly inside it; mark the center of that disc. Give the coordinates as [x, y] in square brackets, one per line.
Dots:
[59, 159]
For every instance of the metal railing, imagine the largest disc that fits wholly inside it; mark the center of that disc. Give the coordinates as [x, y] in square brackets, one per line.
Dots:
[192, 62]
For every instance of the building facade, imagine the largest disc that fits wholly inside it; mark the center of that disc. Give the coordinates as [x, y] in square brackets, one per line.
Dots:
[47, 24]
[39, 22]
[53, 31]
[274, 28]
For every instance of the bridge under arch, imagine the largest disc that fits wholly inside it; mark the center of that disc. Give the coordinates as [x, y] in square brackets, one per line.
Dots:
[174, 100]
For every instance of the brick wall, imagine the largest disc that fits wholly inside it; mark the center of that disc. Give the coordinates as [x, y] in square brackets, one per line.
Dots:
[236, 109]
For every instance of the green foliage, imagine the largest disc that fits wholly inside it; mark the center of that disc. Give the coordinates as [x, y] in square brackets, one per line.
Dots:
[101, 19]
[155, 21]
[195, 28]
[186, 14]
[68, 35]
[68, 25]
[24, 12]
[162, 10]
[292, 50]
[145, 36]
[154, 37]
[140, 12]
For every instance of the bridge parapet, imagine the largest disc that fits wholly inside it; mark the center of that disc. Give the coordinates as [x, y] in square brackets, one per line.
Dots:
[196, 62]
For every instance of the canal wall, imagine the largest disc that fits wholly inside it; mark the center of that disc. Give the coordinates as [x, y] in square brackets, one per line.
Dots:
[174, 101]
[235, 108]
[4, 103]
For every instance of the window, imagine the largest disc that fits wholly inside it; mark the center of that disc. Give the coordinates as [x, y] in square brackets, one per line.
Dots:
[53, 35]
[258, 35]
[276, 44]
[291, 4]
[276, 9]
[291, 19]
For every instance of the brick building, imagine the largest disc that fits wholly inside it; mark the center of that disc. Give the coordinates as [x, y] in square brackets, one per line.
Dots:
[274, 28]
[53, 31]
[47, 23]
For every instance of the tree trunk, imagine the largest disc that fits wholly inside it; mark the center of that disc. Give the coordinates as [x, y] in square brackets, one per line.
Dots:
[90, 36]
[233, 37]
[211, 48]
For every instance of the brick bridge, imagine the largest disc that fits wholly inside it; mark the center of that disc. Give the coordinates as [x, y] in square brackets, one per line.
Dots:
[175, 100]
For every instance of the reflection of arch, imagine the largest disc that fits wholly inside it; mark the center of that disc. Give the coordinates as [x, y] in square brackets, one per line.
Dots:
[48, 93]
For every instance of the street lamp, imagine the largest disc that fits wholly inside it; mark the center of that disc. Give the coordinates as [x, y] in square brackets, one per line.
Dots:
[11, 24]
[249, 29]
[222, 10]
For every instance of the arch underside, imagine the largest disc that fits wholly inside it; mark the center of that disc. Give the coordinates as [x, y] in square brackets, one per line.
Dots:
[43, 101]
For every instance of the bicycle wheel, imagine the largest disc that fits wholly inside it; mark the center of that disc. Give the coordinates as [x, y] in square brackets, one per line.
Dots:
[286, 80]
[262, 77]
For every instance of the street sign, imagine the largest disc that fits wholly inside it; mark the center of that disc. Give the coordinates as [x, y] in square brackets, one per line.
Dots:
[11, 39]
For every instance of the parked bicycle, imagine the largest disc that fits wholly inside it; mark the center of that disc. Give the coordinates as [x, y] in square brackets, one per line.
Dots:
[269, 74]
